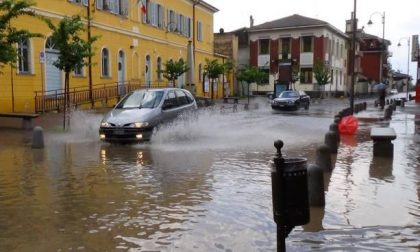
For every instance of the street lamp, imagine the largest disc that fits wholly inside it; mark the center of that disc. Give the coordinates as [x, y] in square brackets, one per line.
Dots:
[353, 56]
[408, 61]
[383, 39]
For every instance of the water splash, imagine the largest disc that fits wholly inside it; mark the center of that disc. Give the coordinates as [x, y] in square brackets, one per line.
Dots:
[256, 129]
[84, 126]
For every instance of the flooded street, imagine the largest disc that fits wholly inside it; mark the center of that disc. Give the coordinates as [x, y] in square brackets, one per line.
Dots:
[203, 185]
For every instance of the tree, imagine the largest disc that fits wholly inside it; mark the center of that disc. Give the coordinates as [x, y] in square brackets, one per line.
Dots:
[213, 69]
[73, 50]
[10, 36]
[322, 73]
[174, 69]
[252, 74]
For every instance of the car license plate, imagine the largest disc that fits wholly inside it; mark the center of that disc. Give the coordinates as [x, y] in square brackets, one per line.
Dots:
[119, 132]
[281, 105]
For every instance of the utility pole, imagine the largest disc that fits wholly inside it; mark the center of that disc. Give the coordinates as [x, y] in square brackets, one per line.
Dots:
[353, 58]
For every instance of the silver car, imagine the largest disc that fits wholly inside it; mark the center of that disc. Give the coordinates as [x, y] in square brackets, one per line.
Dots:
[134, 118]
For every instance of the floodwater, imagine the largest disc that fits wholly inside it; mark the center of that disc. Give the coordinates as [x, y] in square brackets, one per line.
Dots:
[203, 185]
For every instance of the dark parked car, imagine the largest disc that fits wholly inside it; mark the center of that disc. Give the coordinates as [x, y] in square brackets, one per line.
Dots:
[292, 100]
[139, 112]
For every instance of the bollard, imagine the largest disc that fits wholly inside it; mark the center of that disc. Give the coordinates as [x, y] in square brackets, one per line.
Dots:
[290, 194]
[402, 103]
[331, 141]
[316, 186]
[334, 128]
[388, 113]
[365, 105]
[38, 138]
[375, 103]
[323, 158]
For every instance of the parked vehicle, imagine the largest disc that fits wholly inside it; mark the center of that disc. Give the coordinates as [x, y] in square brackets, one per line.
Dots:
[393, 91]
[292, 100]
[135, 117]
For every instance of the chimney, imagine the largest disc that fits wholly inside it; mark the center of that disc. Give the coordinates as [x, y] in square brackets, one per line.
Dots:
[251, 21]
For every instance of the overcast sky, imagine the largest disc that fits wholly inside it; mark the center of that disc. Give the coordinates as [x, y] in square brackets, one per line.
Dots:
[402, 18]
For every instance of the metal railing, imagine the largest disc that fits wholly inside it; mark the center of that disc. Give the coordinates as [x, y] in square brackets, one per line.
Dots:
[53, 100]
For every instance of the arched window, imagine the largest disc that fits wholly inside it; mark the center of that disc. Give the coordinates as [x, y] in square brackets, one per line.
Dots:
[159, 68]
[24, 56]
[105, 62]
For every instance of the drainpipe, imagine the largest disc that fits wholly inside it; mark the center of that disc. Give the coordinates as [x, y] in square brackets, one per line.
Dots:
[89, 36]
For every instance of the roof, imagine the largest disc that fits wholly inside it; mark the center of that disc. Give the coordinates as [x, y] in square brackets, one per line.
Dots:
[363, 35]
[292, 21]
[206, 5]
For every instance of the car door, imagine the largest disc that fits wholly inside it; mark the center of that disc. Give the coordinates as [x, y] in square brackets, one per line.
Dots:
[170, 106]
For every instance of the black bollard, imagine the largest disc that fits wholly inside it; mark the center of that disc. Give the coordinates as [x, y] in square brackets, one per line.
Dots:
[38, 138]
[331, 141]
[334, 128]
[364, 105]
[388, 113]
[402, 103]
[316, 186]
[323, 158]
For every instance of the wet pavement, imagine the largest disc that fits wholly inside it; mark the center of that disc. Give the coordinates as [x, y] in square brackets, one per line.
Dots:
[206, 185]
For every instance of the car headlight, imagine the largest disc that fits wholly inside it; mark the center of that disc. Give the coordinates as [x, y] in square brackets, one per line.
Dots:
[105, 124]
[139, 125]
[290, 102]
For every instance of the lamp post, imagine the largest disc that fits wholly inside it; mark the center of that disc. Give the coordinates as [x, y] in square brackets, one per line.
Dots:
[353, 57]
[408, 61]
[383, 40]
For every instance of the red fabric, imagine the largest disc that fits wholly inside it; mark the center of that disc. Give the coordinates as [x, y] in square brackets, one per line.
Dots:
[143, 8]
[348, 125]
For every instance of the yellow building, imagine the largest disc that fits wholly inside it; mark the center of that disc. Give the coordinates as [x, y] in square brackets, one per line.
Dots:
[135, 38]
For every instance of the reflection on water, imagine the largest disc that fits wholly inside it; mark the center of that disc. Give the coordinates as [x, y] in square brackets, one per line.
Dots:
[201, 185]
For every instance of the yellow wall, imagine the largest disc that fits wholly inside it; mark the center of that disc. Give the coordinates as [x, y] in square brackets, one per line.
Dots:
[128, 34]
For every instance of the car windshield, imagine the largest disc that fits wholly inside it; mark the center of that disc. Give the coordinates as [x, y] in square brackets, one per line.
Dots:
[288, 94]
[141, 99]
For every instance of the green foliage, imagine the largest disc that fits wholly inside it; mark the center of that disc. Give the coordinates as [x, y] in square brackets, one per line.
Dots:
[67, 39]
[10, 36]
[173, 69]
[322, 73]
[213, 69]
[252, 74]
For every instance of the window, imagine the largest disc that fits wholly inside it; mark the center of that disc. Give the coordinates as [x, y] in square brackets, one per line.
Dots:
[23, 56]
[285, 48]
[264, 45]
[105, 62]
[170, 100]
[78, 70]
[182, 98]
[159, 68]
[307, 44]
[119, 7]
[199, 31]
[84, 2]
[306, 75]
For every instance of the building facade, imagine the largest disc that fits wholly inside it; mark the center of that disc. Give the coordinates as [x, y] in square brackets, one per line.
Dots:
[135, 39]
[289, 48]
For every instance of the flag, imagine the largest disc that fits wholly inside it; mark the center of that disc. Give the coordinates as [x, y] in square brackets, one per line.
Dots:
[143, 6]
